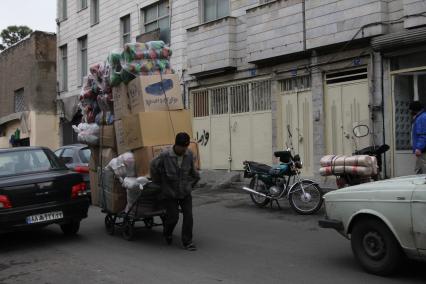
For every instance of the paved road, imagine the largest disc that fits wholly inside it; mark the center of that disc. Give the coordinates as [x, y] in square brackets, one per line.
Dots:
[238, 243]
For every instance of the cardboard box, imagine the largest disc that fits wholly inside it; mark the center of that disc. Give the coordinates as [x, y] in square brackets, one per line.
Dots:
[121, 101]
[155, 93]
[119, 137]
[94, 159]
[107, 136]
[94, 187]
[113, 196]
[155, 128]
[107, 155]
[143, 157]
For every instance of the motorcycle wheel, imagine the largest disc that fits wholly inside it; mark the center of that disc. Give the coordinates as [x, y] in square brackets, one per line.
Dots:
[309, 203]
[259, 186]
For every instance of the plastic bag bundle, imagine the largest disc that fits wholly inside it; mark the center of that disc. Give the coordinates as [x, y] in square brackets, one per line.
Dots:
[90, 88]
[124, 165]
[88, 133]
[114, 67]
[104, 102]
[341, 160]
[148, 50]
[359, 165]
[352, 170]
[104, 118]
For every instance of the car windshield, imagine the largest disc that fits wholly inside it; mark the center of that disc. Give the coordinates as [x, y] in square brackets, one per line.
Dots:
[85, 155]
[28, 161]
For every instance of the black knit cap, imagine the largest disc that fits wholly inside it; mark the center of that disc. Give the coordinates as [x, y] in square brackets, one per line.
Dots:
[182, 139]
[416, 106]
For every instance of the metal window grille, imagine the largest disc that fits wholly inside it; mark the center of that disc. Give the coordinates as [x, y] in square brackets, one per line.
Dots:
[347, 76]
[20, 101]
[156, 17]
[261, 95]
[219, 98]
[240, 98]
[294, 84]
[201, 103]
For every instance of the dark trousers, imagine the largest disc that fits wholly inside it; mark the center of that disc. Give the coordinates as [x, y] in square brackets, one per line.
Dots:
[172, 217]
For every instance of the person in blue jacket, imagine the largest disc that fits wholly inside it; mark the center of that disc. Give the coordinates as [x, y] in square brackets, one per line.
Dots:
[418, 136]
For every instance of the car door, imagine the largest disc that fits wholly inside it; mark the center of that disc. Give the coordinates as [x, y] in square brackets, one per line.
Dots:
[419, 215]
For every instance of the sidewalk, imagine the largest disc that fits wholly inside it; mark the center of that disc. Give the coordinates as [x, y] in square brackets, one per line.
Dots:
[225, 181]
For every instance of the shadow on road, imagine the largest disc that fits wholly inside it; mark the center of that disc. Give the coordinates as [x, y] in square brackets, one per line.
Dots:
[11, 242]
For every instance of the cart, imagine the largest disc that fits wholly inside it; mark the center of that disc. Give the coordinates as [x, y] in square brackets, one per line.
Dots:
[144, 209]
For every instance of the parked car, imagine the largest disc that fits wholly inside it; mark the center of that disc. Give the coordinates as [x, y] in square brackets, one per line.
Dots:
[76, 157]
[37, 189]
[385, 221]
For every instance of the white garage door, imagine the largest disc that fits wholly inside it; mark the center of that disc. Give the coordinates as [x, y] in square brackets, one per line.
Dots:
[232, 124]
[346, 106]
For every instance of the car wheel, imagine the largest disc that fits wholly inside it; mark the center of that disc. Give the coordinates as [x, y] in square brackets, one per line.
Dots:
[70, 228]
[375, 247]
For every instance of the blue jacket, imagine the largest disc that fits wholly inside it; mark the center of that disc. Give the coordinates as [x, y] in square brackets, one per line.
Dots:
[419, 132]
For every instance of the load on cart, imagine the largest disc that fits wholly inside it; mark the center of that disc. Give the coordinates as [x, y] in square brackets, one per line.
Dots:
[142, 198]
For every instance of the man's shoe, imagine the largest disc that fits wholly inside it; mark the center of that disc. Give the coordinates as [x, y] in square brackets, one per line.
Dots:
[169, 239]
[190, 247]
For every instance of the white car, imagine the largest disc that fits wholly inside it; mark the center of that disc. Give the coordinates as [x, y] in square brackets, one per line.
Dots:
[385, 221]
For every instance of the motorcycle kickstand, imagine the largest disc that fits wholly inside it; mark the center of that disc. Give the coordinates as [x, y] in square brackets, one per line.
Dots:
[272, 203]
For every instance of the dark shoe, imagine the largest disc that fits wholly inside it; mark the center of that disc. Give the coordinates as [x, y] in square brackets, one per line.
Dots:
[190, 247]
[168, 239]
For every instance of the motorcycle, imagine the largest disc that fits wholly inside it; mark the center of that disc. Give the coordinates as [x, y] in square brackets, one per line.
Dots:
[270, 184]
[347, 179]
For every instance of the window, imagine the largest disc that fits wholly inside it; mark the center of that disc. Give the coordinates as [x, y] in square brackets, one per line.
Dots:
[82, 4]
[82, 56]
[85, 155]
[295, 83]
[201, 103]
[20, 100]
[219, 98]
[240, 98]
[94, 12]
[261, 95]
[215, 9]
[125, 29]
[155, 17]
[28, 161]
[64, 68]
[63, 12]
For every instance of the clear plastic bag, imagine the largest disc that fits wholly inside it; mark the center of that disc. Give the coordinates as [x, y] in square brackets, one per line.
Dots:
[87, 133]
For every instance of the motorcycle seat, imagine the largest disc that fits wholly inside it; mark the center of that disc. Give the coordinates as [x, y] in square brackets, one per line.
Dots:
[258, 167]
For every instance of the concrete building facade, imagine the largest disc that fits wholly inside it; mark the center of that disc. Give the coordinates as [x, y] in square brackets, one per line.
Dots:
[263, 75]
[28, 92]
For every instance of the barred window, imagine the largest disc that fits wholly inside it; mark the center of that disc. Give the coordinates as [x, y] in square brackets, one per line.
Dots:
[201, 103]
[296, 83]
[219, 99]
[261, 96]
[20, 100]
[240, 98]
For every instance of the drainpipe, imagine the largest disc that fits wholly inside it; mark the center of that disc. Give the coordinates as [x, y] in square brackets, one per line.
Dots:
[384, 165]
[304, 24]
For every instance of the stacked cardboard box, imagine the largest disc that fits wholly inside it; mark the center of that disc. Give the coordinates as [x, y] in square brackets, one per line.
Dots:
[148, 112]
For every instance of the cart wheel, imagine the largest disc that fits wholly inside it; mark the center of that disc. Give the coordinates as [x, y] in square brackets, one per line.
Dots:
[110, 224]
[149, 222]
[128, 230]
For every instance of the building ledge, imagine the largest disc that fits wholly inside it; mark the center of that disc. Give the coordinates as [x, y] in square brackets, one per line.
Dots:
[12, 117]
[214, 72]
[211, 23]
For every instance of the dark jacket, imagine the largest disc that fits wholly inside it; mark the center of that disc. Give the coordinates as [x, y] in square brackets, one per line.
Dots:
[176, 182]
[419, 132]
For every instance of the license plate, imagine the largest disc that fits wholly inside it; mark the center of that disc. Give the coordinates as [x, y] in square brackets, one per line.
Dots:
[45, 217]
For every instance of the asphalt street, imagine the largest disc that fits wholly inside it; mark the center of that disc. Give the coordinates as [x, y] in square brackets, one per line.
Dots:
[237, 243]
